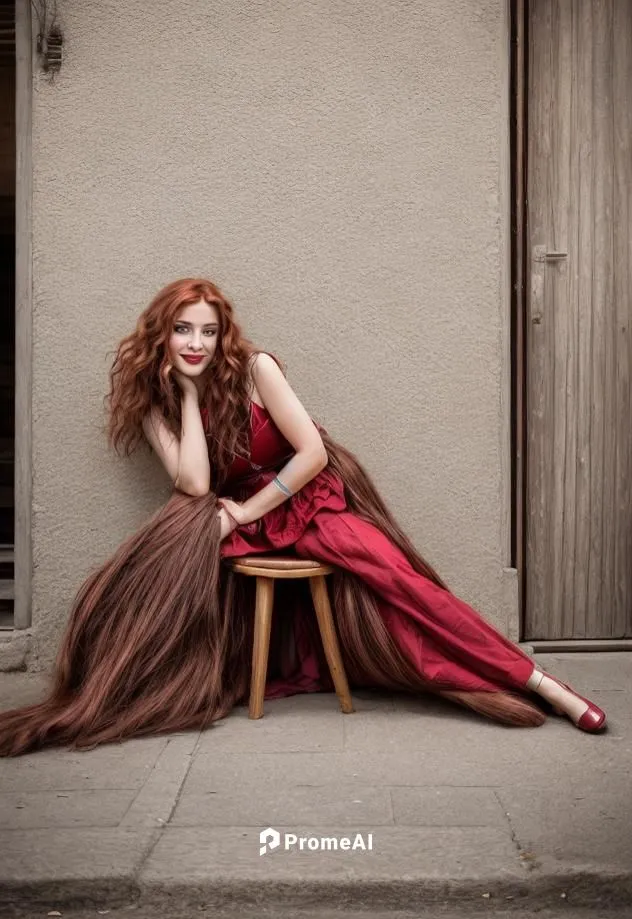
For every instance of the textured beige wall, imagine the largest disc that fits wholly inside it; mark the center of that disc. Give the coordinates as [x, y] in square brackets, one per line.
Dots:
[339, 168]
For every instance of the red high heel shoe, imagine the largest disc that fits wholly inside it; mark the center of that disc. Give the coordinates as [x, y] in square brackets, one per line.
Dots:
[593, 719]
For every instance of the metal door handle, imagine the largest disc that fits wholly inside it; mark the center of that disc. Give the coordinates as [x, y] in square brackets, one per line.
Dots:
[540, 254]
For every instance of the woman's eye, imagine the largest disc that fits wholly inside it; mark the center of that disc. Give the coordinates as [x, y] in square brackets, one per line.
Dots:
[182, 330]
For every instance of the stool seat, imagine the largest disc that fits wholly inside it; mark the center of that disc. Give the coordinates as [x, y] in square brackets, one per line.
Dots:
[278, 566]
[276, 561]
[267, 569]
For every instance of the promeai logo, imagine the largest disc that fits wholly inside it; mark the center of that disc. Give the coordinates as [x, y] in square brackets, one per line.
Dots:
[269, 839]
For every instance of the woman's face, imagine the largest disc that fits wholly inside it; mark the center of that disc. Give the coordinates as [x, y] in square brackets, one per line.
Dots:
[194, 334]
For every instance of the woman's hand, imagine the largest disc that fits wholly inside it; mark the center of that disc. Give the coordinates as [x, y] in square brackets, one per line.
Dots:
[186, 384]
[227, 524]
[235, 511]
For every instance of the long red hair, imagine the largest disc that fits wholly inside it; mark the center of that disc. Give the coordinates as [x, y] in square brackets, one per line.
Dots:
[140, 376]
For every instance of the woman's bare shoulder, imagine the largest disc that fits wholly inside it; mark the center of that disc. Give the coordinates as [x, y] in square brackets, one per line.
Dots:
[263, 364]
[260, 362]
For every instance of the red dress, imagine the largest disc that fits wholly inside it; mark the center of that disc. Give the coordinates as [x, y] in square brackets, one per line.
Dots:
[451, 645]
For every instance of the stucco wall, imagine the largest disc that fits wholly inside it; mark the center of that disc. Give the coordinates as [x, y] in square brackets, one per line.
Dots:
[339, 168]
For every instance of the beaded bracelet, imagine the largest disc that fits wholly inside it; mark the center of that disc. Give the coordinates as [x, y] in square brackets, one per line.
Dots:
[279, 484]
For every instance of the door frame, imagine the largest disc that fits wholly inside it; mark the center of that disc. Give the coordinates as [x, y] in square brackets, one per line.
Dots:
[518, 306]
[23, 555]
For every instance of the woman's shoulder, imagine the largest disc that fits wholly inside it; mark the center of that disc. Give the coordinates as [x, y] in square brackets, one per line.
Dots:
[264, 363]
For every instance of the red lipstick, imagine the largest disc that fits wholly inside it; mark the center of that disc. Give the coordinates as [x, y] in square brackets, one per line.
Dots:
[190, 359]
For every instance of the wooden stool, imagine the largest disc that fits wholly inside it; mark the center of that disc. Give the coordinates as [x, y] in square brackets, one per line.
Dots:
[266, 570]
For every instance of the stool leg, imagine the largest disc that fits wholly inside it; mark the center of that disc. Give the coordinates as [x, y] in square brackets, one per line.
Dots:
[328, 634]
[261, 645]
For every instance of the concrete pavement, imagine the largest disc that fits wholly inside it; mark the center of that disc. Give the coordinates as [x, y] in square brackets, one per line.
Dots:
[461, 810]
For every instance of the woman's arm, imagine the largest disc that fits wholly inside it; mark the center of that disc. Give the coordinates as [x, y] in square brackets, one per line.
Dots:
[194, 468]
[293, 421]
[167, 446]
[163, 442]
[186, 460]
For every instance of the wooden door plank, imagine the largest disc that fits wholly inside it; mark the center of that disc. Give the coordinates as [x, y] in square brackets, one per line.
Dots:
[518, 297]
[621, 523]
[568, 389]
[558, 323]
[598, 302]
[584, 267]
[536, 618]
[600, 611]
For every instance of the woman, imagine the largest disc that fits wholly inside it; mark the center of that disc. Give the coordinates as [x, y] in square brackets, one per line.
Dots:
[159, 638]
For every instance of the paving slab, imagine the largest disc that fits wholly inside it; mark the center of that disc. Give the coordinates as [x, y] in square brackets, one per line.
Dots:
[316, 725]
[115, 766]
[447, 805]
[577, 827]
[66, 866]
[38, 810]
[351, 806]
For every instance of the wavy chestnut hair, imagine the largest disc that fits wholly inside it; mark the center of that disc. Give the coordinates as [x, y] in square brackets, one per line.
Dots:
[140, 376]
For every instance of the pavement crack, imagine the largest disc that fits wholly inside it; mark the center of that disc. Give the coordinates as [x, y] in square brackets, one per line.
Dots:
[528, 859]
[159, 832]
[143, 783]
[391, 806]
[176, 800]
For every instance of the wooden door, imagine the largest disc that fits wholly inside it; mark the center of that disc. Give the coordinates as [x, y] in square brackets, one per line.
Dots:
[578, 570]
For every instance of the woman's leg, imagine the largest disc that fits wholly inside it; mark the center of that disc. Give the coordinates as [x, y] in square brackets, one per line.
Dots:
[565, 701]
[452, 645]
